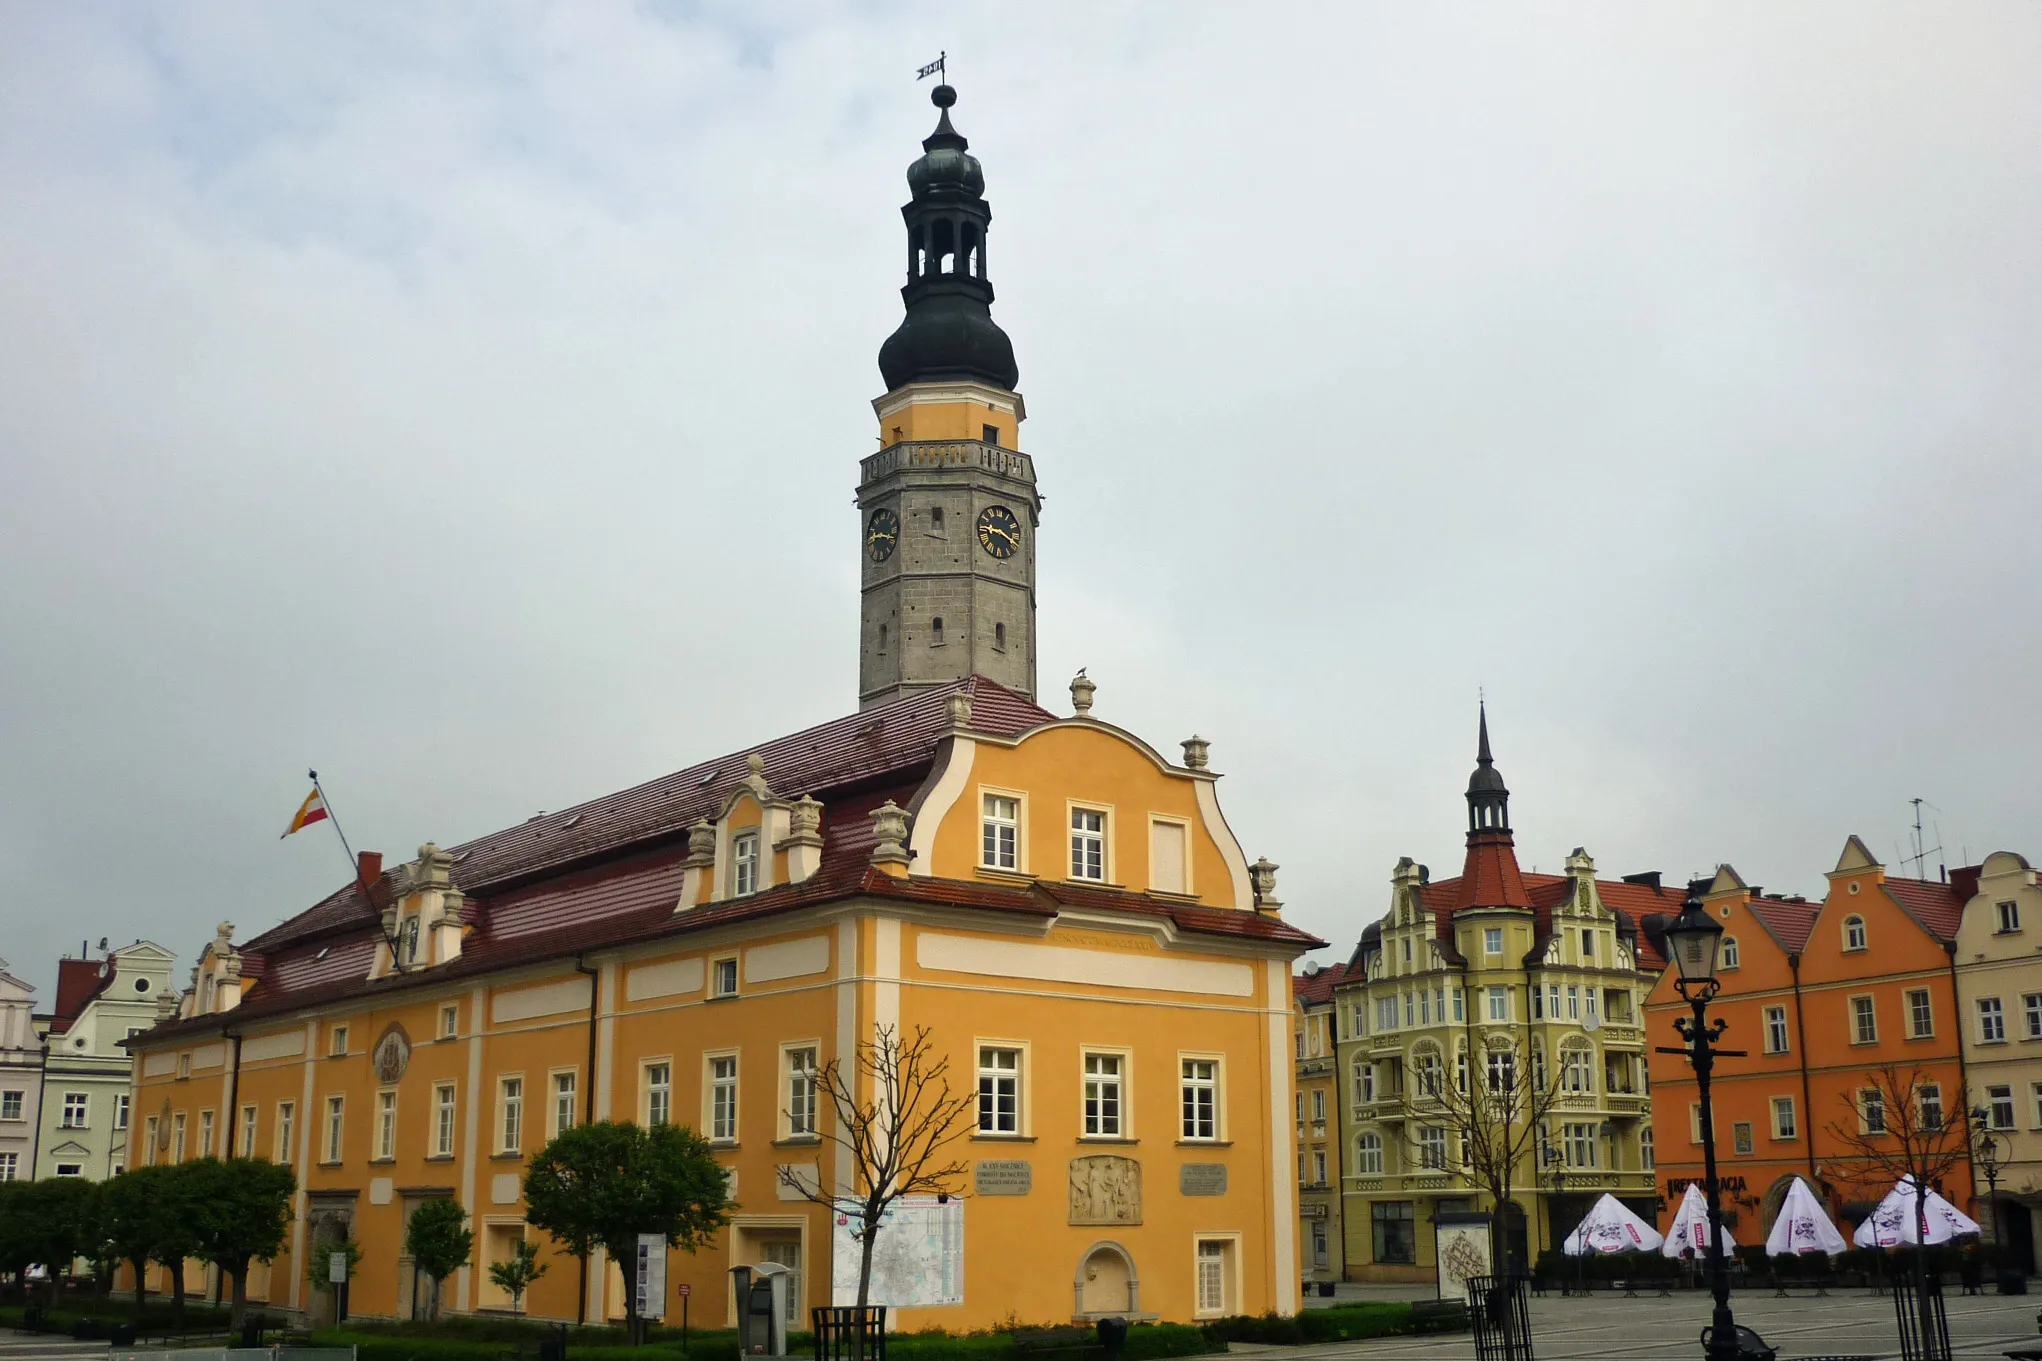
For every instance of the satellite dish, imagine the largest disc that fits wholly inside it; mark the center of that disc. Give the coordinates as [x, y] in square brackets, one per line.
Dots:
[1592, 1022]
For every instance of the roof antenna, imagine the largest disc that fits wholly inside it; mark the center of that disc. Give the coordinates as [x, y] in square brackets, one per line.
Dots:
[1921, 853]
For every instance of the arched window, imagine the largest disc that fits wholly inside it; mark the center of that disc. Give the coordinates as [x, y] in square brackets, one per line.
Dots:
[1577, 1066]
[1368, 1153]
[1853, 933]
[1427, 1070]
[1729, 960]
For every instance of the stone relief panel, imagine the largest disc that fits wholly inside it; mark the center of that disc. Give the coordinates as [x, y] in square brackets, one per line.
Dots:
[1106, 1189]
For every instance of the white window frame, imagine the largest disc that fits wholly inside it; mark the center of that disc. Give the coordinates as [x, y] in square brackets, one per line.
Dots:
[77, 1111]
[336, 1042]
[720, 1096]
[10, 1166]
[1433, 1152]
[1992, 1021]
[1086, 839]
[1492, 940]
[510, 1113]
[1855, 936]
[335, 1141]
[562, 1116]
[446, 1123]
[1921, 1020]
[744, 862]
[1215, 1274]
[15, 1101]
[800, 1062]
[1928, 1103]
[1499, 1002]
[995, 852]
[251, 1117]
[287, 1115]
[1790, 1127]
[716, 976]
[1999, 1107]
[1777, 1038]
[450, 1021]
[123, 1104]
[1368, 1149]
[1869, 1100]
[656, 1091]
[992, 1075]
[386, 1124]
[2009, 911]
[2031, 1004]
[1861, 1020]
[1201, 1098]
[206, 1126]
[1729, 955]
[1102, 1094]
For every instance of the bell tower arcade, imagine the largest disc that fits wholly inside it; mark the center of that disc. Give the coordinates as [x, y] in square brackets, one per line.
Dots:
[948, 506]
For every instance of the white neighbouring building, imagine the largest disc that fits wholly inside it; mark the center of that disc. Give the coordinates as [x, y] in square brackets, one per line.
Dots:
[87, 1078]
[21, 1077]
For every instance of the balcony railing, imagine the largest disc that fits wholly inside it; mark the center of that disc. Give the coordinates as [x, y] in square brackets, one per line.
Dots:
[963, 453]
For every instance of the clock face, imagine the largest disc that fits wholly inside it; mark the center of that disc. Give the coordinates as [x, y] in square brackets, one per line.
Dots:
[882, 532]
[999, 533]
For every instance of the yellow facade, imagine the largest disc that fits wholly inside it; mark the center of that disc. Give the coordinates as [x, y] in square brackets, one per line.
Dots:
[1027, 961]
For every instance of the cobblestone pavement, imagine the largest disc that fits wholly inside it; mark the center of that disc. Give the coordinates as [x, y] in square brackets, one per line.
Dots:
[1613, 1327]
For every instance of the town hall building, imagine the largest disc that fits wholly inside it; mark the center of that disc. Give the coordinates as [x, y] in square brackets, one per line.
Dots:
[1060, 903]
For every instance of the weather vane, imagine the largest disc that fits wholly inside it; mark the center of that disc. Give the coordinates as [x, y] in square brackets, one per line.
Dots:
[934, 68]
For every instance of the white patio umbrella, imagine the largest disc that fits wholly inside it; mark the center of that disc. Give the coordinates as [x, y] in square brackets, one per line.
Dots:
[1610, 1227]
[1689, 1231]
[1802, 1226]
[1891, 1223]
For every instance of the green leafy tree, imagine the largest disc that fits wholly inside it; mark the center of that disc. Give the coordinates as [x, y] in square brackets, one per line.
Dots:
[132, 1209]
[17, 1236]
[515, 1274]
[439, 1241]
[603, 1184]
[176, 1193]
[60, 1213]
[241, 1208]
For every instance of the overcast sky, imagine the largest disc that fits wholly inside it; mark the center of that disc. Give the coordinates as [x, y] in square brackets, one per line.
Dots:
[467, 400]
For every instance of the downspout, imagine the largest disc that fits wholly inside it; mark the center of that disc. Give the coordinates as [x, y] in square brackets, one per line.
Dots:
[588, 1107]
[1801, 1043]
[231, 1122]
[1964, 1087]
[42, 1109]
[1538, 1139]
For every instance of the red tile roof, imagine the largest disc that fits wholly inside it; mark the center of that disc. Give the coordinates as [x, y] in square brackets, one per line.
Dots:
[1544, 892]
[1316, 986]
[609, 872]
[78, 982]
[1489, 875]
[1789, 922]
[855, 749]
[1937, 906]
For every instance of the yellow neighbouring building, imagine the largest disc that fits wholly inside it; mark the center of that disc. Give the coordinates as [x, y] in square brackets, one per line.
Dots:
[1463, 973]
[1061, 905]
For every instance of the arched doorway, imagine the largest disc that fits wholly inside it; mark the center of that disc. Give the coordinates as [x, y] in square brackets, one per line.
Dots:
[1106, 1283]
[1769, 1205]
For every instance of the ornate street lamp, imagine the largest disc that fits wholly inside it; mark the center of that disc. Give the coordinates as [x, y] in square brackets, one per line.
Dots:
[1695, 940]
[1987, 1158]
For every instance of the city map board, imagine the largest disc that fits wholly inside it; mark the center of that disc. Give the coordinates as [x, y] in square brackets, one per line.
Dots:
[917, 1257]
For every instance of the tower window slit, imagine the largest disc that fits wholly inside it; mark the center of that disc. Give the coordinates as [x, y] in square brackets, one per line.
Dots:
[936, 631]
[882, 638]
[999, 637]
[935, 519]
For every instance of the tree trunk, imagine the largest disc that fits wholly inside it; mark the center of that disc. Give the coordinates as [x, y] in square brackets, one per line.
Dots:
[240, 1297]
[176, 1290]
[865, 1240]
[141, 1265]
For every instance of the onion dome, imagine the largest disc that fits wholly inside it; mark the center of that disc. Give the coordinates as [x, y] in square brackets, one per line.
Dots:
[949, 331]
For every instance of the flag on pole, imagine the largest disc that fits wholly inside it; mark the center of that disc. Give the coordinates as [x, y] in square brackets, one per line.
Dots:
[312, 810]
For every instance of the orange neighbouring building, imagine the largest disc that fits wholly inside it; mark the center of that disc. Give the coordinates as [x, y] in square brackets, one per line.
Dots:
[1821, 995]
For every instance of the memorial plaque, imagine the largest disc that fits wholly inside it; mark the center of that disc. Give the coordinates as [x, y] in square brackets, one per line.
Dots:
[1202, 1179]
[1106, 1189]
[1003, 1177]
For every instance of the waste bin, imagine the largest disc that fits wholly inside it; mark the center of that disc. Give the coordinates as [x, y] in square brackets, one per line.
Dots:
[251, 1333]
[121, 1335]
[2012, 1282]
[1112, 1335]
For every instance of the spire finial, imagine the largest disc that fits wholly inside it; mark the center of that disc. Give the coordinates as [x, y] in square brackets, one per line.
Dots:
[1482, 756]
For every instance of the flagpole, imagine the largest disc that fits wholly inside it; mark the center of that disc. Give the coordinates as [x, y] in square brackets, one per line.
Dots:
[355, 871]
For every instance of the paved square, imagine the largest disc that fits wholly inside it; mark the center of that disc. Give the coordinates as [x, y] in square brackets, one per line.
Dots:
[1612, 1326]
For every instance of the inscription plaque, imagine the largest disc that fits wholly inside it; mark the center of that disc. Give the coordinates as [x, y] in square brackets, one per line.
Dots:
[1003, 1177]
[1202, 1179]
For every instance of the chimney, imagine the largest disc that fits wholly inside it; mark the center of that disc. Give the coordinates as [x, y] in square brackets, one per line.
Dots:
[1965, 881]
[1648, 879]
[368, 869]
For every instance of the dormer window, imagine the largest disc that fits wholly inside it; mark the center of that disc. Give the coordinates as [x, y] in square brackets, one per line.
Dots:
[407, 941]
[744, 864]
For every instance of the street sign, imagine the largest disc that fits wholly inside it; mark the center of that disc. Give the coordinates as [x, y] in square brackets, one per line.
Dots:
[686, 1290]
[336, 1268]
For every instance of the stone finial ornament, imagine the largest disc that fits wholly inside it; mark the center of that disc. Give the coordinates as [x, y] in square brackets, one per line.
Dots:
[890, 829]
[803, 842]
[1580, 865]
[701, 842]
[1262, 878]
[1197, 752]
[804, 818]
[755, 777]
[1082, 690]
[959, 705]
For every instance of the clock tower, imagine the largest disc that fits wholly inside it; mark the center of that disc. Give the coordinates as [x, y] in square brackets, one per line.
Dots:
[947, 507]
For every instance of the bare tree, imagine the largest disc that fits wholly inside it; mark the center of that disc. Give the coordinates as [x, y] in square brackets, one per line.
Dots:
[896, 1136]
[1495, 1106]
[1903, 1124]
